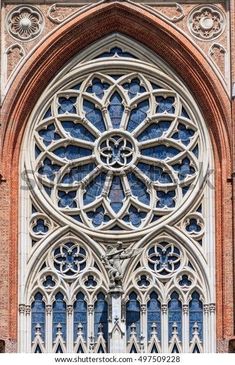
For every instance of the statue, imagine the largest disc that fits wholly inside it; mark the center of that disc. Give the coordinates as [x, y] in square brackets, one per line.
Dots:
[113, 260]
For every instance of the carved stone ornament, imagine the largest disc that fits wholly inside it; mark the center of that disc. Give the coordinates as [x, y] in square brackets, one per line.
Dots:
[25, 22]
[112, 261]
[206, 22]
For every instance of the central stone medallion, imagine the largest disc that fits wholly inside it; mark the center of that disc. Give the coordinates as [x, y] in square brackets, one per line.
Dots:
[116, 150]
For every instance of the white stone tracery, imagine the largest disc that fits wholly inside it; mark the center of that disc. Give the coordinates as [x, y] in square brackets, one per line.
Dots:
[183, 226]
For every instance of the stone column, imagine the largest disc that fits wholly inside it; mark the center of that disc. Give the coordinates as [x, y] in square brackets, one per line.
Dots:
[116, 325]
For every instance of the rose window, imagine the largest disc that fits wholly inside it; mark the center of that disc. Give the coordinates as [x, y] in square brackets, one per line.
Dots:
[117, 151]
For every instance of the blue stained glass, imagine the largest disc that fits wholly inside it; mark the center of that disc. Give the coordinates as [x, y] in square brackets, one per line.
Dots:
[166, 200]
[94, 188]
[116, 109]
[90, 282]
[80, 315]
[184, 113]
[77, 173]
[199, 209]
[77, 131]
[155, 86]
[196, 314]
[116, 51]
[59, 315]
[138, 115]
[184, 134]
[38, 314]
[134, 216]
[47, 190]
[185, 281]
[101, 315]
[164, 259]
[184, 169]
[76, 217]
[161, 152]
[48, 114]
[98, 88]
[154, 314]
[185, 189]
[175, 314]
[154, 130]
[40, 227]
[155, 173]
[143, 282]
[49, 282]
[67, 199]
[133, 314]
[138, 188]
[49, 134]
[70, 260]
[77, 86]
[94, 115]
[37, 151]
[98, 216]
[116, 77]
[48, 169]
[72, 152]
[34, 210]
[196, 151]
[165, 105]
[134, 88]
[67, 105]
[193, 226]
[155, 218]
[116, 194]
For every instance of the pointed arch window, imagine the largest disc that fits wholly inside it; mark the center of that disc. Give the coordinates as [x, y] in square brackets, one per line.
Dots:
[59, 318]
[80, 315]
[101, 316]
[38, 315]
[154, 315]
[117, 148]
[175, 316]
[133, 315]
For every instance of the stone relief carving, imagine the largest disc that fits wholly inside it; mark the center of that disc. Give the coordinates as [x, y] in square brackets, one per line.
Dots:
[175, 10]
[60, 12]
[206, 22]
[113, 262]
[217, 53]
[25, 22]
[13, 55]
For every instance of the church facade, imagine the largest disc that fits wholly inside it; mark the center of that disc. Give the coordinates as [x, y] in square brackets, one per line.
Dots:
[117, 177]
